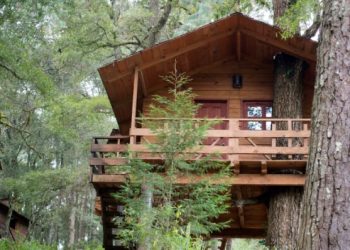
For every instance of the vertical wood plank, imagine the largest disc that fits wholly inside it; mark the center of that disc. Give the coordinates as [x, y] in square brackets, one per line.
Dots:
[273, 142]
[134, 104]
[233, 126]
[134, 98]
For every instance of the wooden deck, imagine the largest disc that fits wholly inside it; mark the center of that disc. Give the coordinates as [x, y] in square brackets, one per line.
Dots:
[253, 155]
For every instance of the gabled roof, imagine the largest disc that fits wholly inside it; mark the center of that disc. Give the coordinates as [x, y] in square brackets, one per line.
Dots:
[4, 204]
[234, 37]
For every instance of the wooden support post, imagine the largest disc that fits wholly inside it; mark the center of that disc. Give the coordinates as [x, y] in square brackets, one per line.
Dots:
[236, 167]
[143, 84]
[223, 244]
[241, 216]
[306, 139]
[240, 208]
[263, 167]
[290, 144]
[290, 140]
[289, 122]
[134, 104]
[273, 128]
[233, 143]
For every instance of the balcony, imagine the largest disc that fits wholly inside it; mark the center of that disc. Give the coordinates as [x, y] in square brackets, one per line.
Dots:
[274, 157]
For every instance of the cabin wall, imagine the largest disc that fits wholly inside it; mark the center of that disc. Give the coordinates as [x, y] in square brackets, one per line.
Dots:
[215, 83]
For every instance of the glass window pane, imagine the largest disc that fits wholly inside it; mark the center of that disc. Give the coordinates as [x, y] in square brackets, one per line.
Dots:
[268, 111]
[268, 126]
[254, 111]
[254, 125]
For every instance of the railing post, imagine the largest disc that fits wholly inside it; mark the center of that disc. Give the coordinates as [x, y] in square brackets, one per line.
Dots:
[273, 142]
[306, 140]
[233, 126]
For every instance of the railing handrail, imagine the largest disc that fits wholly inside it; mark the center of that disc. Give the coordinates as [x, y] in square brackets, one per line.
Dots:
[236, 133]
[227, 119]
[111, 137]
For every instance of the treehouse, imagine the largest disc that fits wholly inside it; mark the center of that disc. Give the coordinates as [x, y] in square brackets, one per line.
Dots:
[231, 64]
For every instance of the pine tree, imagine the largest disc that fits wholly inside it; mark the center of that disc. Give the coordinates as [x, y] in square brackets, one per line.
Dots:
[180, 214]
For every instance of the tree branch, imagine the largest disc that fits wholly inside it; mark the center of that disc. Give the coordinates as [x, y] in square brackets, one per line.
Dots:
[11, 71]
[155, 30]
[311, 31]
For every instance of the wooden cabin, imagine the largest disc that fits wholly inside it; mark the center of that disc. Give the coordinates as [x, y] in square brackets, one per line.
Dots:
[18, 224]
[231, 62]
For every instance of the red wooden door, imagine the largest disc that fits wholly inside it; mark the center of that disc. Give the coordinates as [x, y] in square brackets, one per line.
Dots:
[214, 109]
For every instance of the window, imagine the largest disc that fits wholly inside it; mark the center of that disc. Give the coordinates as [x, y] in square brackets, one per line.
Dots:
[257, 109]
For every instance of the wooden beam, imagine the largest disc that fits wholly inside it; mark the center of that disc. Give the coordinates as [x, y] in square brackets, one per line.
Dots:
[278, 43]
[253, 143]
[108, 161]
[143, 84]
[242, 179]
[238, 133]
[226, 149]
[169, 56]
[134, 98]
[238, 48]
[107, 148]
[241, 233]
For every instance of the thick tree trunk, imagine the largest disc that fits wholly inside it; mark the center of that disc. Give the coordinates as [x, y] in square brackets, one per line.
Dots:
[283, 218]
[284, 204]
[325, 219]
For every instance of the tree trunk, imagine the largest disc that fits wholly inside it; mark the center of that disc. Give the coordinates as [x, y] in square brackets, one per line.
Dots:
[283, 218]
[325, 219]
[279, 7]
[284, 204]
[72, 225]
[158, 21]
[229, 244]
[147, 199]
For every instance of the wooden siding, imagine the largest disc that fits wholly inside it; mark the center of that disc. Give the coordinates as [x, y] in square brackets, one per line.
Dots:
[215, 83]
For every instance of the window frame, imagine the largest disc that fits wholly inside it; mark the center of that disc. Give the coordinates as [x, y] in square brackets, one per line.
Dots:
[263, 103]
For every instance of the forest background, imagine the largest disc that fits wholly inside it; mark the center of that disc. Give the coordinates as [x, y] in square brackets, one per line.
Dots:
[52, 100]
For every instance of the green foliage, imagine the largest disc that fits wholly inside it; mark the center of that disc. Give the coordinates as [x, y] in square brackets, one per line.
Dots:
[180, 213]
[24, 245]
[251, 244]
[225, 7]
[298, 16]
[49, 110]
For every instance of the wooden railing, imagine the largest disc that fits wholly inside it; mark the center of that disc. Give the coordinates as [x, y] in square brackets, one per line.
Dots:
[287, 139]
